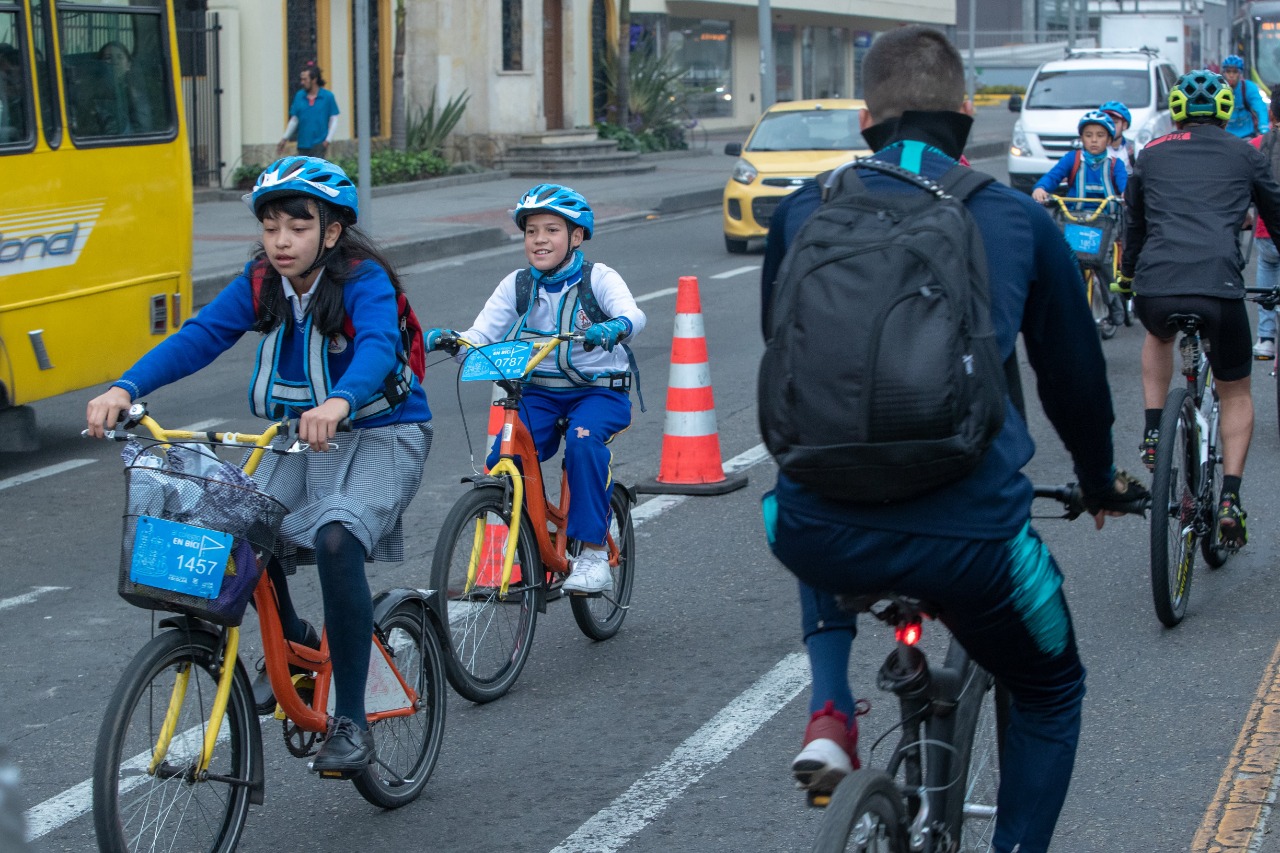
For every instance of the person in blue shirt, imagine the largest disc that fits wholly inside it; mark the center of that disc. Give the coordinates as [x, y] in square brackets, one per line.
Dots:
[1088, 170]
[1249, 118]
[967, 547]
[313, 115]
[314, 270]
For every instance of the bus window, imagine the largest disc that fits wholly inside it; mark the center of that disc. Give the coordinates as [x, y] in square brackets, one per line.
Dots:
[17, 126]
[115, 70]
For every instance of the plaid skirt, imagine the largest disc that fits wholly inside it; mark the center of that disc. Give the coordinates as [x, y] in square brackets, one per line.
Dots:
[365, 484]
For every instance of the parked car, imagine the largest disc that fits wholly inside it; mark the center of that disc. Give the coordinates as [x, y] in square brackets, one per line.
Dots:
[792, 142]
[1062, 90]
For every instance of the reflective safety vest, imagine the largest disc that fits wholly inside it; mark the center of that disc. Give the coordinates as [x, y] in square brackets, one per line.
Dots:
[272, 397]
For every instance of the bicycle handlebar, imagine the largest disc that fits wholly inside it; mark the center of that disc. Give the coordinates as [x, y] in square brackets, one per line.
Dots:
[1099, 206]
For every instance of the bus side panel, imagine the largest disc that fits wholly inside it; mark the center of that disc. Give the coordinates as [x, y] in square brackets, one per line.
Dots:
[93, 237]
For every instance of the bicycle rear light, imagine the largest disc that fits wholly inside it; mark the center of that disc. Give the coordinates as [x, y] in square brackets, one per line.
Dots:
[908, 634]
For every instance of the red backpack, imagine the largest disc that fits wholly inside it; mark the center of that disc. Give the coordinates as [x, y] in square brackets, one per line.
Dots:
[411, 342]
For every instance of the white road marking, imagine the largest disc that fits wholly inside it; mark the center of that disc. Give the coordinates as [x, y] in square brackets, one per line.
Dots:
[738, 271]
[48, 471]
[611, 828]
[666, 291]
[657, 505]
[28, 597]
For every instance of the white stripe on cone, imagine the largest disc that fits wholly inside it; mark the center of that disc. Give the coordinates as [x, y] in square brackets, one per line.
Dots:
[691, 424]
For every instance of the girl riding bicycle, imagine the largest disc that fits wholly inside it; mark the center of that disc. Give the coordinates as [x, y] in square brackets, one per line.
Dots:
[325, 301]
[588, 385]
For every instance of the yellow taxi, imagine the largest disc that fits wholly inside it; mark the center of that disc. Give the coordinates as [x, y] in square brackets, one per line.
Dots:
[792, 141]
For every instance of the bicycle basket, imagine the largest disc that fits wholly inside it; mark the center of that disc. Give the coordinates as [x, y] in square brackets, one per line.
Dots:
[1092, 241]
[194, 544]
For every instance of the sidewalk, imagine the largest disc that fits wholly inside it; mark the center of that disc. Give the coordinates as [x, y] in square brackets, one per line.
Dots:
[455, 215]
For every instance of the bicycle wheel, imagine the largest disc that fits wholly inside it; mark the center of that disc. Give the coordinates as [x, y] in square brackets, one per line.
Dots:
[600, 616]
[1099, 303]
[408, 746]
[488, 636]
[1173, 508]
[865, 814]
[982, 716]
[169, 687]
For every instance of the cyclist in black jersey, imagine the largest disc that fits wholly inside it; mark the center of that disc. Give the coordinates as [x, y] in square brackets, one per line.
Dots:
[1187, 197]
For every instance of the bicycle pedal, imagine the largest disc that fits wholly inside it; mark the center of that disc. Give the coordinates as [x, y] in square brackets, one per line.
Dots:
[338, 775]
[818, 801]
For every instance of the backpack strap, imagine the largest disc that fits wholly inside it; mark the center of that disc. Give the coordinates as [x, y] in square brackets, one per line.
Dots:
[525, 289]
[257, 278]
[1075, 165]
[961, 182]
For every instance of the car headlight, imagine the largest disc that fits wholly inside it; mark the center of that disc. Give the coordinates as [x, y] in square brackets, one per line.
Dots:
[1020, 147]
[1147, 132]
[744, 172]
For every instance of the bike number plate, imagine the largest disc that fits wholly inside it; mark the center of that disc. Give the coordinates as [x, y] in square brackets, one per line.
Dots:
[1083, 238]
[179, 557]
[505, 360]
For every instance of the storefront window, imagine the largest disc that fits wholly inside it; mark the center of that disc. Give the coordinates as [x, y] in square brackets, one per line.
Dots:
[825, 56]
[705, 50]
[784, 61]
[861, 44]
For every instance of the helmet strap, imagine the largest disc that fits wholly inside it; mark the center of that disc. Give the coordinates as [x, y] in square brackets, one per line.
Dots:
[322, 254]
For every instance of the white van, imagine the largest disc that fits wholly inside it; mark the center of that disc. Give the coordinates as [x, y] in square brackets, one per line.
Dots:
[1063, 90]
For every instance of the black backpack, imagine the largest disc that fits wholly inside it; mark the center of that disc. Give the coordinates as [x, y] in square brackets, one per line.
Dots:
[881, 378]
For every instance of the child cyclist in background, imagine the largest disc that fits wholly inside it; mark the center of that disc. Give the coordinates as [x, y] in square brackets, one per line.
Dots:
[1120, 148]
[1249, 118]
[345, 503]
[1268, 256]
[588, 384]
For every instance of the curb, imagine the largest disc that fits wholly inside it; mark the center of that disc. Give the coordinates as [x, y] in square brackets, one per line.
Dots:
[205, 195]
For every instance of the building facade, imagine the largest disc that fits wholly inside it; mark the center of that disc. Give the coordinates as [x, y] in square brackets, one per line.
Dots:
[530, 67]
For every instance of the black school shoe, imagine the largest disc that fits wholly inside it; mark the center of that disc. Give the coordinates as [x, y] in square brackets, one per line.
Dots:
[264, 700]
[346, 748]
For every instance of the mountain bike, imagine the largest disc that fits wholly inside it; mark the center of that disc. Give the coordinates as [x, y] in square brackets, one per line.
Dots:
[937, 792]
[1091, 227]
[502, 553]
[1187, 478]
[179, 755]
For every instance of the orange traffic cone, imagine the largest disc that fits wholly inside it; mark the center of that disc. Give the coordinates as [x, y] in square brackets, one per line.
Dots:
[490, 571]
[690, 442]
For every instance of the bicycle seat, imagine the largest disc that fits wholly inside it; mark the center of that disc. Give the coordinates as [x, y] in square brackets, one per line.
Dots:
[865, 602]
[1189, 323]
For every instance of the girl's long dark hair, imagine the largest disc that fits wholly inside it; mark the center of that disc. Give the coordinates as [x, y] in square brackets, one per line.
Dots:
[338, 263]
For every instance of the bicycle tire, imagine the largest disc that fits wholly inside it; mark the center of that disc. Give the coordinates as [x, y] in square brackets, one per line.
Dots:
[488, 637]
[981, 720]
[866, 813]
[137, 810]
[1099, 304]
[1173, 508]
[600, 617]
[408, 746]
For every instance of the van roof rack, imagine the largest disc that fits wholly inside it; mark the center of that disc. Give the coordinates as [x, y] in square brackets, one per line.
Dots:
[1082, 52]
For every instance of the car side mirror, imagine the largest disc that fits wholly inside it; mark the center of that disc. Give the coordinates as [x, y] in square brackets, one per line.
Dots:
[1015, 103]
[733, 149]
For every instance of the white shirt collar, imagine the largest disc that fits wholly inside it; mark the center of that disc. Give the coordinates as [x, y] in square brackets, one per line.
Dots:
[301, 302]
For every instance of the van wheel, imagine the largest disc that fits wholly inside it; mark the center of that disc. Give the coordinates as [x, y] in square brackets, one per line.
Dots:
[735, 247]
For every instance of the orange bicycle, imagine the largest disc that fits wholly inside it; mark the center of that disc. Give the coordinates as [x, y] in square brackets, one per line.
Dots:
[1091, 227]
[502, 553]
[179, 756]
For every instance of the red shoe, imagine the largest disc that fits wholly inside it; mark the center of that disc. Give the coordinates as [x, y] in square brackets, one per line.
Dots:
[830, 751]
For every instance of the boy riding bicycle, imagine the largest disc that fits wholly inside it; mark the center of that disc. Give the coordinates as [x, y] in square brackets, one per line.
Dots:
[589, 383]
[1091, 173]
[1185, 204]
[1249, 118]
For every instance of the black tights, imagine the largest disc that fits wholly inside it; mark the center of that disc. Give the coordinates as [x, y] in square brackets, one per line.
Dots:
[348, 614]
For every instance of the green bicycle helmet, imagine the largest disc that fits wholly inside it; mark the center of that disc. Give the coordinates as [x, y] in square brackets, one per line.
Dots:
[1201, 94]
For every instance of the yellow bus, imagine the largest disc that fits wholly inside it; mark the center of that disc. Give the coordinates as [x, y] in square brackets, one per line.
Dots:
[95, 177]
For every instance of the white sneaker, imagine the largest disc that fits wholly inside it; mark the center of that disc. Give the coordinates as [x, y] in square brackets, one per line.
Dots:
[1264, 350]
[590, 573]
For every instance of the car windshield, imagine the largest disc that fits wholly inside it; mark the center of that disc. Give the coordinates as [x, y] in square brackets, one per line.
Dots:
[1080, 89]
[807, 130]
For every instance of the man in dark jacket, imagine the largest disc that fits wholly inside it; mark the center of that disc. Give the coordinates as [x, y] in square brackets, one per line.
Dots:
[1188, 196]
[967, 547]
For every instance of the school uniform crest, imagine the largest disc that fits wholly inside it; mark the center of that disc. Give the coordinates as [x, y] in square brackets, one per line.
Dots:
[337, 343]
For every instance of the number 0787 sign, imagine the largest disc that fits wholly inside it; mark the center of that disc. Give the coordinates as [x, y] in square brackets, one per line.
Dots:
[179, 557]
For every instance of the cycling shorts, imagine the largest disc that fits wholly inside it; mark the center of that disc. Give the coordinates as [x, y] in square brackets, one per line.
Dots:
[1227, 336]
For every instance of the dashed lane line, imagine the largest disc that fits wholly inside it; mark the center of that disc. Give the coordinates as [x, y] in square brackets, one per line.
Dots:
[47, 471]
[738, 271]
[28, 597]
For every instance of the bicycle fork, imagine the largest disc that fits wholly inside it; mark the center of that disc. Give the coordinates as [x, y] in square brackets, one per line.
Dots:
[507, 467]
[178, 697]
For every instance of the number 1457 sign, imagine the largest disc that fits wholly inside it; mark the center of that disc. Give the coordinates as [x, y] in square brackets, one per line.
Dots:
[179, 557]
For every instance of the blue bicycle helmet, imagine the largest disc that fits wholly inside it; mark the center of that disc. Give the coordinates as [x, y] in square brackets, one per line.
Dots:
[1233, 61]
[1097, 117]
[1118, 109]
[1201, 94]
[557, 199]
[311, 176]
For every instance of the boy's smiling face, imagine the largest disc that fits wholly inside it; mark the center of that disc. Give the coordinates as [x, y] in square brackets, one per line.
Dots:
[548, 239]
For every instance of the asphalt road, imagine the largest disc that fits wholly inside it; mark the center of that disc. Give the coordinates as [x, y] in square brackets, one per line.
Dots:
[677, 734]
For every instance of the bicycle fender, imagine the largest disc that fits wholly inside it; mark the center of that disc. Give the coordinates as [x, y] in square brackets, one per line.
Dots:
[257, 776]
[482, 480]
[387, 600]
[628, 492]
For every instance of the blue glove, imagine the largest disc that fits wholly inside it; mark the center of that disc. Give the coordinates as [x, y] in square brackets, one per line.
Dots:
[605, 334]
[445, 339]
